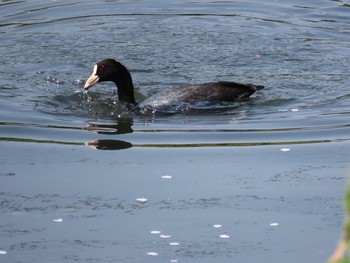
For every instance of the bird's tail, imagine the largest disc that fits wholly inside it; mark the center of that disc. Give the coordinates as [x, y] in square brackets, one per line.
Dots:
[259, 87]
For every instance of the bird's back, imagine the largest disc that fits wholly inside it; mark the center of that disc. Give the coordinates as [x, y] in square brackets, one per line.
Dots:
[214, 91]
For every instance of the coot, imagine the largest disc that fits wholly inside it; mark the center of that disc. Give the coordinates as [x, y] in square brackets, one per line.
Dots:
[223, 91]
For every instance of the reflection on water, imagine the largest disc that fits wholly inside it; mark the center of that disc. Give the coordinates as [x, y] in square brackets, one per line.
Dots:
[123, 125]
[109, 145]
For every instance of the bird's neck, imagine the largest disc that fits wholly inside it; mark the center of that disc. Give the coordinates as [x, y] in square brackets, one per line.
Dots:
[125, 87]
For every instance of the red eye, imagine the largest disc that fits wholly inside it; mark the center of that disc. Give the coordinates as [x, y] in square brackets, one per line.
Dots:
[102, 68]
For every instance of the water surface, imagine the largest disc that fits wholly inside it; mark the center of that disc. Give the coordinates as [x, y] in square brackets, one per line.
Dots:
[82, 177]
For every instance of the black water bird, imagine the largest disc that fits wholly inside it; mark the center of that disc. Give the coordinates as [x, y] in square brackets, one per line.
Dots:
[223, 91]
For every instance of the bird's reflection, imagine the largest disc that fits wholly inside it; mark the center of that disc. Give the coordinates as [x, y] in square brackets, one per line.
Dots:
[121, 126]
[109, 145]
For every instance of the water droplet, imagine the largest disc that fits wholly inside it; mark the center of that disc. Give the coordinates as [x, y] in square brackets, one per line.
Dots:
[152, 254]
[59, 81]
[274, 224]
[217, 226]
[142, 200]
[294, 110]
[224, 236]
[285, 149]
[78, 82]
[3, 252]
[155, 232]
[58, 220]
[167, 177]
[165, 236]
[174, 243]
[50, 79]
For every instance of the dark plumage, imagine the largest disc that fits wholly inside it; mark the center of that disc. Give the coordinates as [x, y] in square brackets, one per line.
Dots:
[112, 70]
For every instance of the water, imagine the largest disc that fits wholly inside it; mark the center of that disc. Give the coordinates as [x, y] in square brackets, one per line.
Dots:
[282, 157]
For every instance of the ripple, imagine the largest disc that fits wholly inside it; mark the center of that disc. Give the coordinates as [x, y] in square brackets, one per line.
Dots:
[50, 129]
